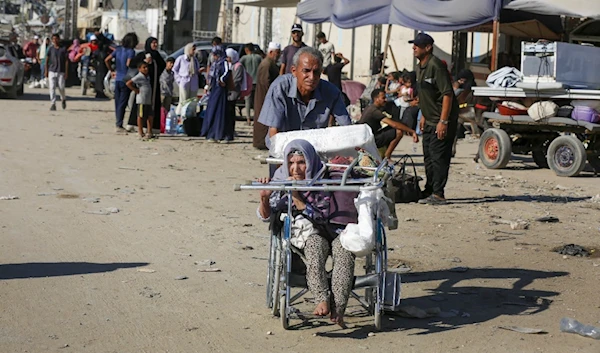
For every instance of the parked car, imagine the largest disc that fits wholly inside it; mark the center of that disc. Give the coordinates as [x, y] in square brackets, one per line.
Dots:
[11, 71]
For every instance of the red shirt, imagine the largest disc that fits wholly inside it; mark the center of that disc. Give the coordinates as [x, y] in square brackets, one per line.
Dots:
[30, 49]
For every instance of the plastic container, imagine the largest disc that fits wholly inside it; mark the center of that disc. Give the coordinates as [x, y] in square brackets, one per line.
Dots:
[573, 326]
[587, 114]
[171, 122]
[506, 110]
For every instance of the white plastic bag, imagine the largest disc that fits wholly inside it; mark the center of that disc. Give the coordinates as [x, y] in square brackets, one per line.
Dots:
[360, 239]
[329, 142]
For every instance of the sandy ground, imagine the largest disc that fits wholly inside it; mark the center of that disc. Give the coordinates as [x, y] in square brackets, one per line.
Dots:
[75, 280]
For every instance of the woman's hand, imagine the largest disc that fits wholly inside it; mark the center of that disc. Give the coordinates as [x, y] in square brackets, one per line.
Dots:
[264, 194]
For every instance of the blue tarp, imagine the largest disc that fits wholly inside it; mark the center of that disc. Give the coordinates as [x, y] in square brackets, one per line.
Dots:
[434, 15]
[423, 15]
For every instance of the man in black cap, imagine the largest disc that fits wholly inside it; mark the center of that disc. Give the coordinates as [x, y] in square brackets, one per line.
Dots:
[287, 55]
[440, 118]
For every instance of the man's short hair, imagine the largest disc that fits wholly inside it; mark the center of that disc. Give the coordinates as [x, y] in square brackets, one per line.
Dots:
[337, 59]
[217, 40]
[375, 93]
[321, 35]
[250, 47]
[170, 59]
[56, 35]
[142, 63]
[308, 51]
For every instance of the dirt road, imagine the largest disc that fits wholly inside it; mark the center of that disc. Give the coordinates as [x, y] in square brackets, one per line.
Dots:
[77, 277]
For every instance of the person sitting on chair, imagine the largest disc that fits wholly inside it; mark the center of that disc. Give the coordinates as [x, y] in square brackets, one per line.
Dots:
[390, 135]
[302, 162]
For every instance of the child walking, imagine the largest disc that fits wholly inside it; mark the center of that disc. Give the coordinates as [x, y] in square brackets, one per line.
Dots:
[140, 84]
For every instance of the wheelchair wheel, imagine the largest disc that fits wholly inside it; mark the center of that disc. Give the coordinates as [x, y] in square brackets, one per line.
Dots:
[271, 271]
[275, 283]
[378, 315]
[285, 320]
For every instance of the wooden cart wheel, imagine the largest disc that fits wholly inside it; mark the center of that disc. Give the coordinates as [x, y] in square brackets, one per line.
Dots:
[566, 156]
[495, 148]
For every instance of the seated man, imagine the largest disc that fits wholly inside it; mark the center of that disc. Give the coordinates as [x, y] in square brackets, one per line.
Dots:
[303, 162]
[390, 135]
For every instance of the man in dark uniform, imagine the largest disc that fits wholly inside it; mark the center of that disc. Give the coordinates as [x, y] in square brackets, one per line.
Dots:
[440, 118]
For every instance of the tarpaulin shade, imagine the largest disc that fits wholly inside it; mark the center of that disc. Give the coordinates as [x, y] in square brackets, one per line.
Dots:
[424, 15]
[523, 29]
[573, 8]
[434, 15]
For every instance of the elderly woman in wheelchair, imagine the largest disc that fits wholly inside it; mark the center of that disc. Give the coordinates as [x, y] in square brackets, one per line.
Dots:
[318, 238]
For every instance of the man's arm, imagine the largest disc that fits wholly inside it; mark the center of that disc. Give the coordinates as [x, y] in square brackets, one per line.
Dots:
[273, 112]
[345, 61]
[282, 69]
[398, 125]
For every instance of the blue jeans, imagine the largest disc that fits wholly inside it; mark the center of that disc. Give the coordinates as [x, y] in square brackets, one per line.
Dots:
[121, 98]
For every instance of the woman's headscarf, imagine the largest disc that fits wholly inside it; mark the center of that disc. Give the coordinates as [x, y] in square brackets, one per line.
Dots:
[233, 54]
[186, 51]
[314, 166]
[160, 62]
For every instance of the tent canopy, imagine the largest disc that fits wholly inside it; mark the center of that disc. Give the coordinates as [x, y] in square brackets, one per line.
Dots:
[434, 15]
[424, 15]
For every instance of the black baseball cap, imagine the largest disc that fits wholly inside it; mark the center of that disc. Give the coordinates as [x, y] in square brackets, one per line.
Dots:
[422, 39]
[296, 27]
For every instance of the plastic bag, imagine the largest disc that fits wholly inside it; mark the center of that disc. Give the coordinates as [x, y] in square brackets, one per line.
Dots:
[329, 142]
[360, 239]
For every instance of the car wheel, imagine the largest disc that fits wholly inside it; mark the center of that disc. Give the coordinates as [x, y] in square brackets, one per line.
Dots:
[13, 92]
[495, 148]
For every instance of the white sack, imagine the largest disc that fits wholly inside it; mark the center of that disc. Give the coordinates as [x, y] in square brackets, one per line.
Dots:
[329, 142]
[360, 239]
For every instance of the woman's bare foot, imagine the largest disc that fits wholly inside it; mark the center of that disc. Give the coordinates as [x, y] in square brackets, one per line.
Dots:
[322, 309]
[338, 319]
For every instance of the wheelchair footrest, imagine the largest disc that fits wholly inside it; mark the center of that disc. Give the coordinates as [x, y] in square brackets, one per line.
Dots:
[366, 281]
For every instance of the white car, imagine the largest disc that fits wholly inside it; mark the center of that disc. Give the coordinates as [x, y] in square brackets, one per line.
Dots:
[11, 71]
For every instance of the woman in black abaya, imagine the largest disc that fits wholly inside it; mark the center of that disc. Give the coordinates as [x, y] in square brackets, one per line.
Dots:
[156, 65]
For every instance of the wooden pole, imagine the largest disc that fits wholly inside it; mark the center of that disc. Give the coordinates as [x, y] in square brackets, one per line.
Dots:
[393, 58]
[495, 36]
[385, 51]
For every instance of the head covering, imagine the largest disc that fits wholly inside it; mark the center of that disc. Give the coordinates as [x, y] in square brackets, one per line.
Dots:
[187, 49]
[217, 50]
[314, 166]
[92, 37]
[273, 46]
[422, 39]
[233, 54]
[296, 27]
[148, 46]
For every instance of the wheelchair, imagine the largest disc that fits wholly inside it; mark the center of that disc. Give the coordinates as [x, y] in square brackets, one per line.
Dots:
[286, 283]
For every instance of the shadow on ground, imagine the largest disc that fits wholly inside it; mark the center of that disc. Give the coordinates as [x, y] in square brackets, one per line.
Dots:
[518, 198]
[474, 302]
[54, 269]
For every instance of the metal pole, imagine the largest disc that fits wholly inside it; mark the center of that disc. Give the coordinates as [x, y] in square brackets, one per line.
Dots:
[495, 37]
[352, 53]
[126, 9]
[385, 51]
